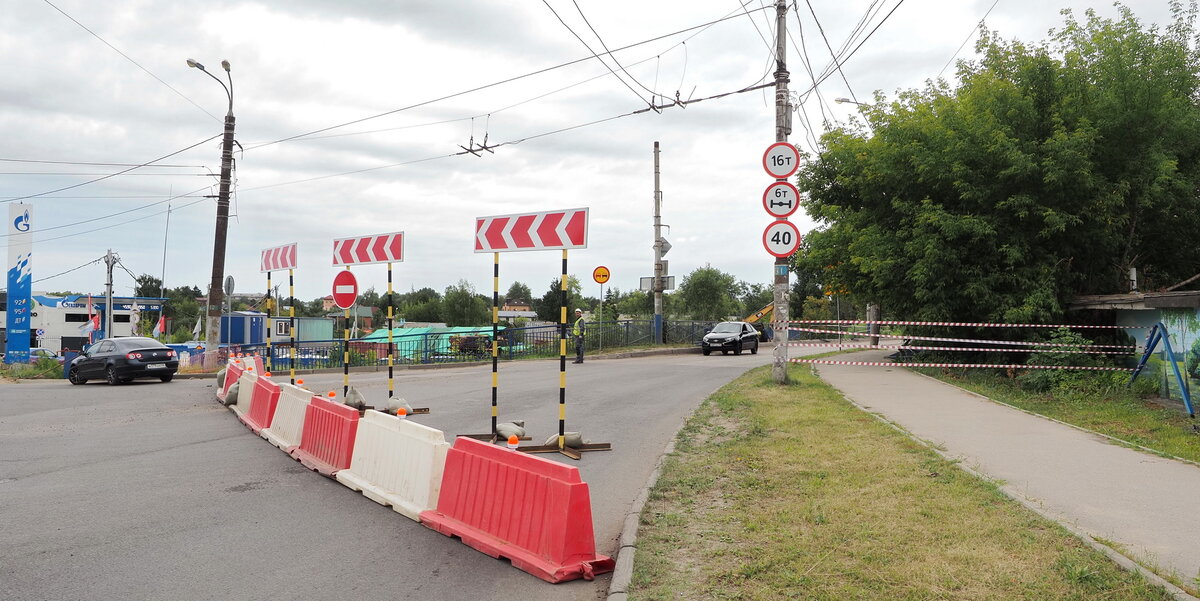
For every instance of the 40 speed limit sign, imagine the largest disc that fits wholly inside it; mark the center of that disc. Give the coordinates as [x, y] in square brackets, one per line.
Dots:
[781, 239]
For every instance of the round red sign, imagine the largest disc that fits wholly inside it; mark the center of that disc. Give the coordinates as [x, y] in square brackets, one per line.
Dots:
[345, 289]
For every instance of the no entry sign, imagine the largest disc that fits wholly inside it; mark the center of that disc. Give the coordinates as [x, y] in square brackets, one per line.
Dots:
[345, 289]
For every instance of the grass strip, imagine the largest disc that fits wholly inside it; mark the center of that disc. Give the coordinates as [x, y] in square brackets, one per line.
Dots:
[790, 492]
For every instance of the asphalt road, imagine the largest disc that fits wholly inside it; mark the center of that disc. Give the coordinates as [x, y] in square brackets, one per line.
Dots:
[154, 491]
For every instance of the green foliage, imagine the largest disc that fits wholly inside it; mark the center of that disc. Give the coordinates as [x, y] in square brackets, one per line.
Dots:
[549, 307]
[518, 291]
[1046, 174]
[709, 294]
[1062, 380]
[463, 307]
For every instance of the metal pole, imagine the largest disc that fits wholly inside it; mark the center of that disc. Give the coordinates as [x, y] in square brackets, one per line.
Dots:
[782, 129]
[346, 351]
[292, 325]
[600, 322]
[495, 332]
[657, 286]
[391, 354]
[562, 360]
[269, 314]
[108, 295]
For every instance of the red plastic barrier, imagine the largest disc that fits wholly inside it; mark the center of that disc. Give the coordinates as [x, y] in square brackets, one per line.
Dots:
[263, 401]
[232, 372]
[532, 511]
[327, 441]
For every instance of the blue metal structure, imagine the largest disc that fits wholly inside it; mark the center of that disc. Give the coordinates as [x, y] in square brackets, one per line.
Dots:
[1159, 333]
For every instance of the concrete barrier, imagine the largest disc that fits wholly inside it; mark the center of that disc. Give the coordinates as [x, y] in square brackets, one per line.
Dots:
[245, 392]
[288, 423]
[397, 462]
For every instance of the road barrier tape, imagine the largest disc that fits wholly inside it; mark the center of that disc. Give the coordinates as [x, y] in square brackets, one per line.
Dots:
[1008, 342]
[1011, 366]
[906, 347]
[963, 324]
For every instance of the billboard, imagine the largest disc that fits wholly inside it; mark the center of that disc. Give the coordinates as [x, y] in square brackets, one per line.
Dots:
[20, 285]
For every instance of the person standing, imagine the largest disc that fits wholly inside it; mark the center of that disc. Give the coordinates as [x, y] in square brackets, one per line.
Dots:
[577, 332]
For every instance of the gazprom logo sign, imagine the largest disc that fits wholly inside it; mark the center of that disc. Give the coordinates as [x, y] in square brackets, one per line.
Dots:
[19, 311]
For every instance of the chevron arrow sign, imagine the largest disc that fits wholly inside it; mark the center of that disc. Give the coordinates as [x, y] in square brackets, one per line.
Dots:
[550, 230]
[278, 258]
[377, 248]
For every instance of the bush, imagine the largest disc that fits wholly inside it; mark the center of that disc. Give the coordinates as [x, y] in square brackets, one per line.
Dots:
[1064, 380]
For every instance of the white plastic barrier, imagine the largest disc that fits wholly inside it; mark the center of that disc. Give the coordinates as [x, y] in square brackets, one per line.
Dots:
[245, 391]
[288, 423]
[397, 462]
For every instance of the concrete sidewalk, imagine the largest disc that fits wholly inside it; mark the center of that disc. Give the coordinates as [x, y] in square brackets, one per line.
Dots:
[1147, 504]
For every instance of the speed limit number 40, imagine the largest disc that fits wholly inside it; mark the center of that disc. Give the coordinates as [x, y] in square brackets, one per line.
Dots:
[781, 239]
[781, 199]
[781, 160]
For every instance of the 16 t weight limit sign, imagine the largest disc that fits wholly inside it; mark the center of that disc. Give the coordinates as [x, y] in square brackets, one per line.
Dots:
[781, 239]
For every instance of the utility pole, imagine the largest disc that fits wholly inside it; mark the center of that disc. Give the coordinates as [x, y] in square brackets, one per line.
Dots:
[215, 293]
[782, 129]
[657, 287]
[110, 261]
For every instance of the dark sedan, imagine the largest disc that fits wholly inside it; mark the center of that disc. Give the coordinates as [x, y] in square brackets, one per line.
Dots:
[119, 360]
[728, 336]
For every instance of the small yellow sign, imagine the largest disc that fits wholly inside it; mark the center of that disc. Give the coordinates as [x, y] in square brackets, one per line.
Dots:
[600, 274]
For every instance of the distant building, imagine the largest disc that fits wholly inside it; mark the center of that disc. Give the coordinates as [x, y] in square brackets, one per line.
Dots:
[61, 322]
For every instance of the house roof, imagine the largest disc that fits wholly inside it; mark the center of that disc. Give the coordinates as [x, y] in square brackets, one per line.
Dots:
[1178, 299]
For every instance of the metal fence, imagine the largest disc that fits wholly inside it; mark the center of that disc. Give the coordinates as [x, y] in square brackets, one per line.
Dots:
[513, 343]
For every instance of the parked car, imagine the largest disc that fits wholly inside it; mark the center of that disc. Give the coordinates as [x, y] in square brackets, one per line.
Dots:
[728, 336]
[38, 353]
[119, 360]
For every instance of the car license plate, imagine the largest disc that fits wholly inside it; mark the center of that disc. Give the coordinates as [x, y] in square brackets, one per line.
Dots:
[156, 366]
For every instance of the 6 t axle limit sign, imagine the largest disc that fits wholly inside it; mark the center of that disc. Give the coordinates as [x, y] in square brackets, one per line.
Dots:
[781, 199]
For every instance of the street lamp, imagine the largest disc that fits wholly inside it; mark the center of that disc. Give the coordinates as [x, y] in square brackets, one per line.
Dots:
[212, 342]
[848, 101]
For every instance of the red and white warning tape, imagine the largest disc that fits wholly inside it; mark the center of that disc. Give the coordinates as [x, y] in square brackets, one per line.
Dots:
[888, 364]
[906, 347]
[1005, 342]
[963, 324]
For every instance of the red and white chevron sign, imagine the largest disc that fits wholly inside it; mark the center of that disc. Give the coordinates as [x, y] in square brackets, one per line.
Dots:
[278, 258]
[550, 230]
[377, 248]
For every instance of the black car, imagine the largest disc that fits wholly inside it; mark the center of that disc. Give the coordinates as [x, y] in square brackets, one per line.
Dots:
[120, 360]
[728, 336]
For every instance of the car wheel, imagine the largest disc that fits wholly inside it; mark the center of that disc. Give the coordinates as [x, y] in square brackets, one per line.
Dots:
[110, 374]
[724, 352]
[166, 378]
[737, 350]
[754, 349]
[73, 376]
[706, 352]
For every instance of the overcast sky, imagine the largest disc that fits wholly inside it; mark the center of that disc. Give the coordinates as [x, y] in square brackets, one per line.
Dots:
[304, 65]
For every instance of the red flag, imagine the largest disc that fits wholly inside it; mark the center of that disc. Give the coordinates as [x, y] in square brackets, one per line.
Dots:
[161, 325]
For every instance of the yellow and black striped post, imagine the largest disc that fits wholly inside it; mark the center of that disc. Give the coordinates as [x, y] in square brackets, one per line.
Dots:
[292, 324]
[562, 360]
[346, 351]
[268, 302]
[495, 331]
[391, 362]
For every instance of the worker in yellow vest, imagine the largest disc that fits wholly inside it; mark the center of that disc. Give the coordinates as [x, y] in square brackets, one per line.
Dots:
[577, 332]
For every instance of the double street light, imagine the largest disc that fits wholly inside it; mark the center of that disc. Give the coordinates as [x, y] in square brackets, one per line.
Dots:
[215, 293]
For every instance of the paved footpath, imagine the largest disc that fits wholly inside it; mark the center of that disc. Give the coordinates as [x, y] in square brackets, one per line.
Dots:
[1147, 504]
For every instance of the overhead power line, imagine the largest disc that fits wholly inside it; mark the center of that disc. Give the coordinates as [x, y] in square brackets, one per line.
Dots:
[92, 181]
[117, 214]
[589, 48]
[610, 53]
[832, 55]
[126, 56]
[106, 227]
[968, 38]
[501, 82]
[92, 262]
[93, 164]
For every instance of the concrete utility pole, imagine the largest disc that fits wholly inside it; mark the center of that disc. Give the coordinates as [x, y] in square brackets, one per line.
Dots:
[215, 293]
[782, 129]
[110, 261]
[657, 287]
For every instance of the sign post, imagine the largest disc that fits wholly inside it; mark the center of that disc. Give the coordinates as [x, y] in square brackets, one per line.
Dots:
[601, 275]
[280, 257]
[363, 250]
[345, 292]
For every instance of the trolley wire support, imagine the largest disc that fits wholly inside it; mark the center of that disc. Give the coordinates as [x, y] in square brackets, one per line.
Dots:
[1157, 334]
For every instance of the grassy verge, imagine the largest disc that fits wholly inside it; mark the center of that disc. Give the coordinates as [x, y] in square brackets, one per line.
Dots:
[1099, 402]
[793, 493]
[43, 369]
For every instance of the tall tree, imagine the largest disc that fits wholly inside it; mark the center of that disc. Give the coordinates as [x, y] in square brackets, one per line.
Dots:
[518, 291]
[461, 306]
[549, 306]
[709, 294]
[1046, 174]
